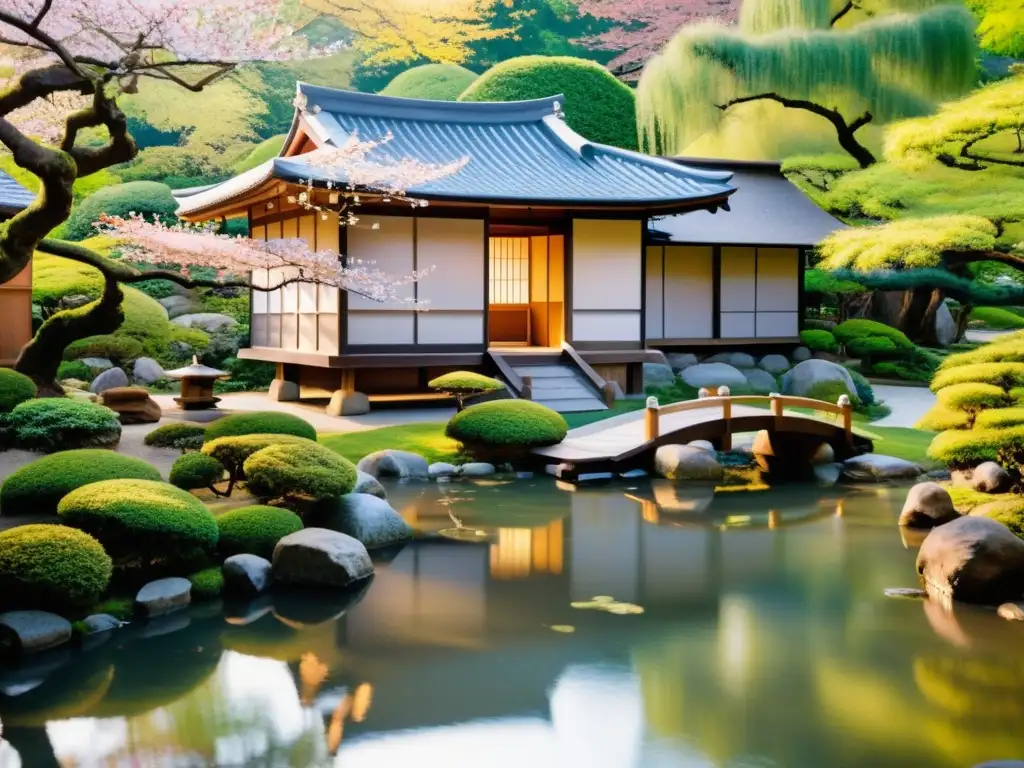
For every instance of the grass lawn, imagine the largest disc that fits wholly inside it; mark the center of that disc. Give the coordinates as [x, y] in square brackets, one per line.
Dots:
[996, 318]
[426, 439]
[903, 442]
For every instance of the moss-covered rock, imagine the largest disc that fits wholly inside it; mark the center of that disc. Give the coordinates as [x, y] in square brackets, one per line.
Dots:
[196, 470]
[597, 105]
[300, 470]
[260, 423]
[37, 488]
[207, 584]
[438, 82]
[232, 452]
[51, 568]
[506, 428]
[179, 434]
[55, 424]
[255, 530]
[819, 340]
[15, 388]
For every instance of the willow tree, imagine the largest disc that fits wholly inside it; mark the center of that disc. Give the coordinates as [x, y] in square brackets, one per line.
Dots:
[849, 64]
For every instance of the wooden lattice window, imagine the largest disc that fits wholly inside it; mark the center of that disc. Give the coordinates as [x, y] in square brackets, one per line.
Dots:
[509, 270]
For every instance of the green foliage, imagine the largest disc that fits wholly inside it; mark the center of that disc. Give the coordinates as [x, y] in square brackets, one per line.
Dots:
[820, 341]
[597, 106]
[465, 382]
[865, 393]
[54, 424]
[196, 470]
[83, 187]
[255, 530]
[997, 418]
[51, 568]
[439, 82]
[1000, 26]
[232, 306]
[426, 439]
[178, 434]
[259, 154]
[176, 166]
[853, 331]
[74, 369]
[36, 488]
[260, 423]
[1009, 512]
[968, 448]
[149, 198]
[904, 371]
[1005, 349]
[299, 470]
[501, 426]
[207, 584]
[246, 376]
[996, 318]
[971, 397]
[232, 452]
[1005, 375]
[831, 391]
[939, 418]
[15, 388]
[820, 281]
[142, 522]
[120, 350]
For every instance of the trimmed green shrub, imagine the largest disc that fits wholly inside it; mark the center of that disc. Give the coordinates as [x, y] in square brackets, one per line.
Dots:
[37, 488]
[179, 434]
[865, 393]
[596, 104]
[1006, 349]
[207, 584]
[120, 350]
[1000, 417]
[895, 369]
[148, 198]
[260, 423]
[15, 388]
[872, 346]
[74, 369]
[232, 452]
[831, 391]
[142, 523]
[968, 448]
[939, 418]
[819, 341]
[196, 470]
[971, 396]
[299, 470]
[51, 568]
[853, 330]
[997, 318]
[438, 82]
[464, 384]
[1005, 375]
[55, 424]
[255, 530]
[506, 427]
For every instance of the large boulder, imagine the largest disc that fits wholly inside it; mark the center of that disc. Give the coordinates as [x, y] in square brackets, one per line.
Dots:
[760, 381]
[97, 363]
[680, 361]
[713, 375]
[31, 631]
[987, 477]
[800, 379]
[477, 469]
[927, 505]
[147, 370]
[133, 405]
[973, 560]
[206, 321]
[800, 354]
[366, 483]
[877, 468]
[320, 557]
[735, 359]
[658, 375]
[687, 462]
[348, 403]
[164, 596]
[368, 519]
[246, 575]
[108, 379]
[945, 326]
[442, 469]
[177, 306]
[394, 463]
[774, 363]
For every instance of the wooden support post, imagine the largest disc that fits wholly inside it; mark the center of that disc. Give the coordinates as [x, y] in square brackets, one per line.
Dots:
[651, 426]
[777, 409]
[848, 423]
[727, 424]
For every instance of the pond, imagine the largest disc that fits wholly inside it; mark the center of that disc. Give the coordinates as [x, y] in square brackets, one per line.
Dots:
[753, 630]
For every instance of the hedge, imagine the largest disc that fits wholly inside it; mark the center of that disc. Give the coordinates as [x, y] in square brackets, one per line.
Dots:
[860, 328]
[971, 396]
[15, 388]
[1006, 349]
[149, 198]
[180, 435]
[260, 423]
[142, 522]
[51, 568]
[255, 530]
[196, 470]
[1000, 417]
[37, 488]
[502, 427]
[864, 390]
[1005, 375]
[119, 350]
[596, 104]
[145, 324]
[968, 448]
[74, 369]
[299, 470]
[938, 419]
[438, 82]
[232, 452]
[55, 424]
[207, 584]
[819, 341]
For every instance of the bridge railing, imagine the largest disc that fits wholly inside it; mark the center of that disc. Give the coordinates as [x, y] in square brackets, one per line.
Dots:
[724, 400]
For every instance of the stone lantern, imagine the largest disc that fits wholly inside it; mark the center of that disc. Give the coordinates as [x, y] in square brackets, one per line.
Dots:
[197, 385]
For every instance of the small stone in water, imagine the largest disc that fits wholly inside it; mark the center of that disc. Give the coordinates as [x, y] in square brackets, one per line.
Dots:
[566, 629]
[1012, 611]
[905, 592]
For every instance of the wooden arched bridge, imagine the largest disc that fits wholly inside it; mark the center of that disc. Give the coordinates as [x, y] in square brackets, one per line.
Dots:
[629, 441]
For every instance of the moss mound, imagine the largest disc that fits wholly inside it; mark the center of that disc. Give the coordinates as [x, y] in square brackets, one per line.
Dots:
[196, 470]
[597, 106]
[232, 452]
[260, 423]
[51, 568]
[831, 391]
[180, 435]
[504, 427]
[148, 198]
[255, 530]
[437, 82]
[55, 424]
[465, 381]
[300, 470]
[15, 389]
[142, 522]
[38, 487]
[852, 332]
[819, 340]
[207, 584]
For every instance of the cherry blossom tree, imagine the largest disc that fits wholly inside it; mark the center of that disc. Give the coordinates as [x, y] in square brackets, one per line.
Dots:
[60, 120]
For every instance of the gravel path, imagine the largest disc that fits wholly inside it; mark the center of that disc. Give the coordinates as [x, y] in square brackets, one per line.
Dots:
[908, 404]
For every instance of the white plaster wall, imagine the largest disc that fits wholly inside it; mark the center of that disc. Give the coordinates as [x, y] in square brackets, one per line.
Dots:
[596, 325]
[654, 286]
[455, 249]
[440, 327]
[689, 292]
[607, 275]
[778, 275]
[389, 249]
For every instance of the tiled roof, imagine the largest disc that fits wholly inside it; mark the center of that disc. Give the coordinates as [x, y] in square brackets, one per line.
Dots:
[13, 196]
[520, 153]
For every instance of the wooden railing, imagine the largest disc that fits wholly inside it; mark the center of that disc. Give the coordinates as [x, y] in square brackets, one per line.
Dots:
[520, 387]
[596, 380]
[777, 402]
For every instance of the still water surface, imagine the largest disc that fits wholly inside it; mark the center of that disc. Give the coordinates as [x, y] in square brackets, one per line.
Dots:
[765, 640]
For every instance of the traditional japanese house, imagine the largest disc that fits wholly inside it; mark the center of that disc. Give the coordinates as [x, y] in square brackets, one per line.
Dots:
[545, 271]
[16, 294]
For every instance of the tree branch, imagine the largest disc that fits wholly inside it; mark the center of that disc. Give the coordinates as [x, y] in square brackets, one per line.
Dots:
[42, 13]
[51, 44]
[842, 12]
[104, 111]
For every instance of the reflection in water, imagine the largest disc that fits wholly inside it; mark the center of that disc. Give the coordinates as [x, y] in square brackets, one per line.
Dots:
[765, 640]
